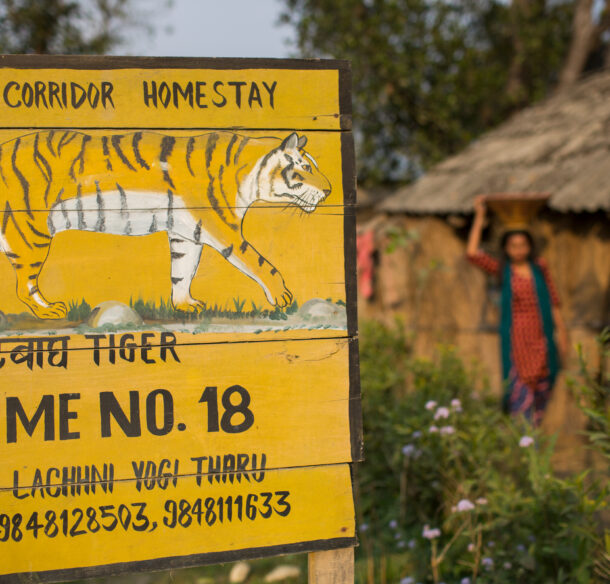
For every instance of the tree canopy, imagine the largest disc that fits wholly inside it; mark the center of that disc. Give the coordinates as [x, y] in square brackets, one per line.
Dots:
[429, 76]
[64, 26]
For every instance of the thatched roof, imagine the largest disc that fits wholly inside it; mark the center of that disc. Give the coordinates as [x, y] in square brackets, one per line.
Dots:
[368, 198]
[560, 146]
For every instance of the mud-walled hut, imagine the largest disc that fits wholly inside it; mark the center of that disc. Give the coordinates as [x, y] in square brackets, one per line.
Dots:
[560, 146]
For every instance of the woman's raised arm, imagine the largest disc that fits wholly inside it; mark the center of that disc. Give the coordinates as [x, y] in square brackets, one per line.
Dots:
[474, 238]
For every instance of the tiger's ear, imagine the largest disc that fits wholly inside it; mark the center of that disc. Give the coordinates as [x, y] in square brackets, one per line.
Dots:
[291, 142]
[302, 141]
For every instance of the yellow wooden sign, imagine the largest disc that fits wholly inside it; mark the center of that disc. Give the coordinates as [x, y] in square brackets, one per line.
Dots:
[178, 324]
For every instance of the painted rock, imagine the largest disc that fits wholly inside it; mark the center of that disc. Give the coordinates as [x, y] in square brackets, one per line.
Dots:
[113, 313]
[317, 309]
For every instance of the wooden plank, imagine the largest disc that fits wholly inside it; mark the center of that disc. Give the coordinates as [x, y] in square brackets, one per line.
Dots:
[331, 566]
[289, 399]
[179, 525]
[248, 248]
[88, 92]
[184, 161]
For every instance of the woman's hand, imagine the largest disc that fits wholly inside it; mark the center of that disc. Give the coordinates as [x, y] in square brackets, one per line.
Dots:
[479, 205]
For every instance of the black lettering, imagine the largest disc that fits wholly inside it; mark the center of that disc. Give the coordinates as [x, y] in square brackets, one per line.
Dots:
[110, 406]
[37, 483]
[167, 418]
[96, 346]
[68, 479]
[107, 88]
[39, 96]
[163, 480]
[261, 475]
[242, 466]
[237, 85]
[27, 94]
[150, 95]
[128, 350]
[240, 410]
[199, 460]
[7, 88]
[57, 491]
[111, 351]
[213, 469]
[54, 94]
[199, 94]
[164, 94]
[138, 470]
[228, 467]
[168, 343]
[255, 95]
[186, 93]
[65, 415]
[271, 91]
[14, 409]
[93, 95]
[76, 101]
[83, 479]
[16, 486]
[222, 103]
[151, 471]
[146, 347]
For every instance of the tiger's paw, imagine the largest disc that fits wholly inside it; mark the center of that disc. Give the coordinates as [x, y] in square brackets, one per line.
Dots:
[189, 305]
[285, 299]
[54, 311]
[282, 299]
[276, 291]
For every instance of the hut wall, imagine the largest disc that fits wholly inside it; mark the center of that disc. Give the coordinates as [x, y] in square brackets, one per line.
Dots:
[423, 276]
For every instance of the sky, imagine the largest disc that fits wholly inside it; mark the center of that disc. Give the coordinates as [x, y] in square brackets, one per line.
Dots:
[213, 28]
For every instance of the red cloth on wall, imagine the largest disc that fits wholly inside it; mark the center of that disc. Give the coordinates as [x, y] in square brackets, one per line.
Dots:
[365, 246]
[527, 337]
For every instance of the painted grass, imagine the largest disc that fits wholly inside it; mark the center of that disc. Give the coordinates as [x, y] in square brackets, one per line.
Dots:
[162, 310]
[78, 311]
[234, 309]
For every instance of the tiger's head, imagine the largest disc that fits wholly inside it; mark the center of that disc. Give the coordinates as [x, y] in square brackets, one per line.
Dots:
[294, 176]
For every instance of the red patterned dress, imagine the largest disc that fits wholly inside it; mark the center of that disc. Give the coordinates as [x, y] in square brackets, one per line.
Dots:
[528, 343]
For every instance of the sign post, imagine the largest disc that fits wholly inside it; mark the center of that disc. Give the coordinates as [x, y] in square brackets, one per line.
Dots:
[178, 336]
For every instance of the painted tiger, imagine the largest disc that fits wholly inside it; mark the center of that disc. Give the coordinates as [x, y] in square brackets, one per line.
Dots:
[196, 188]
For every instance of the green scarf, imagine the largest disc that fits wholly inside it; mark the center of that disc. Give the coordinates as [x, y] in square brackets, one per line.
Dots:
[544, 304]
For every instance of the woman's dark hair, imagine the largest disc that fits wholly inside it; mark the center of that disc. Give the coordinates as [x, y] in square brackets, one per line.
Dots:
[504, 242]
[530, 240]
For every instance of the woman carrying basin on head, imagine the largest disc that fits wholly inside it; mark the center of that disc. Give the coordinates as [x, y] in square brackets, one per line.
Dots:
[532, 333]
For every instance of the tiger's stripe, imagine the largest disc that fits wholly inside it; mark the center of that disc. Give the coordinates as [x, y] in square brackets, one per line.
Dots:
[25, 185]
[116, 144]
[136, 150]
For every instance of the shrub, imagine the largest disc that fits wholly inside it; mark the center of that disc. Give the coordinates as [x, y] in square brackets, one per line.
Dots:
[452, 489]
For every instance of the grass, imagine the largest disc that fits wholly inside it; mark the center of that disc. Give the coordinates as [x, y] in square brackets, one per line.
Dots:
[162, 311]
[78, 311]
[232, 310]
